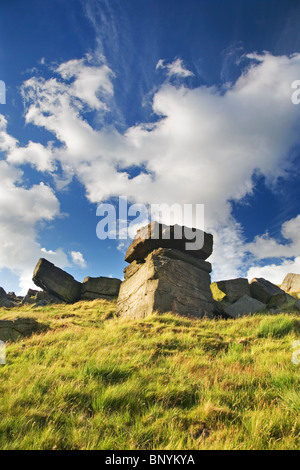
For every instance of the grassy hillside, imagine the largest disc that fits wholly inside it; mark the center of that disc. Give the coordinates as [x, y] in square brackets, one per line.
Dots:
[94, 381]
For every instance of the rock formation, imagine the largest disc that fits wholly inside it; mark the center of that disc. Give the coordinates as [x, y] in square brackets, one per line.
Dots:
[4, 299]
[234, 289]
[166, 278]
[34, 297]
[268, 293]
[56, 282]
[100, 288]
[61, 285]
[244, 306]
[291, 283]
[156, 235]
[165, 274]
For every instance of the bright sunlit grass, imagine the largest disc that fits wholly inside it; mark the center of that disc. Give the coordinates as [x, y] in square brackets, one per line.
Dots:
[94, 381]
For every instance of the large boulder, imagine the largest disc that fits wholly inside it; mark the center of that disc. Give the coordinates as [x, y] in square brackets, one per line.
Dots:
[291, 283]
[155, 235]
[56, 282]
[234, 289]
[244, 306]
[11, 330]
[168, 280]
[100, 288]
[268, 293]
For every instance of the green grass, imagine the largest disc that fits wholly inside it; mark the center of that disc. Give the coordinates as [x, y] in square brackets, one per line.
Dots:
[94, 381]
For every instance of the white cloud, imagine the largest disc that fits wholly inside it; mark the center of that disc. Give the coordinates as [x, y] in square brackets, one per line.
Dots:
[35, 154]
[175, 68]
[89, 81]
[275, 273]
[267, 247]
[7, 142]
[205, 147]
[21, 210]
[229, 257]
[121, 247]
[78, 259]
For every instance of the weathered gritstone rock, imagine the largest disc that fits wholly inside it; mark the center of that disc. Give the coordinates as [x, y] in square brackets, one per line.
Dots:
[244, 306]
[155, 236]
[14, 298]
[234, 289]
[2, 293]
[6, 303]
[297, 305]
[100, 288]
[291, 283]
[57, 282]
[268, 293]
[34, 296]
[4, 300]
[12, 330]
[168, 280]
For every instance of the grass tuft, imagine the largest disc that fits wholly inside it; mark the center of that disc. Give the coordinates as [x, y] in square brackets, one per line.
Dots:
[278, 327]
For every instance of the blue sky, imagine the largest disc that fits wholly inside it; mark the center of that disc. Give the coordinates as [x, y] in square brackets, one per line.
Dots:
[161, 101]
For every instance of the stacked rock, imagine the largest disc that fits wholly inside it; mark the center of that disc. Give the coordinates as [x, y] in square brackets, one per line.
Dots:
[165, 275]
[62, 286]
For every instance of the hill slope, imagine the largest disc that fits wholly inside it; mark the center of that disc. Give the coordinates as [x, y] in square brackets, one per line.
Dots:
[93, 381]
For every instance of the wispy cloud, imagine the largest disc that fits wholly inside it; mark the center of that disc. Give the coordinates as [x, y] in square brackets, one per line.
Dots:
[205, 147]
[175, 68]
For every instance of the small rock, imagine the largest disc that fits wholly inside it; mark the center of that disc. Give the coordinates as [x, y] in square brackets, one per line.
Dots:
[244, 306]
[274, 311]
